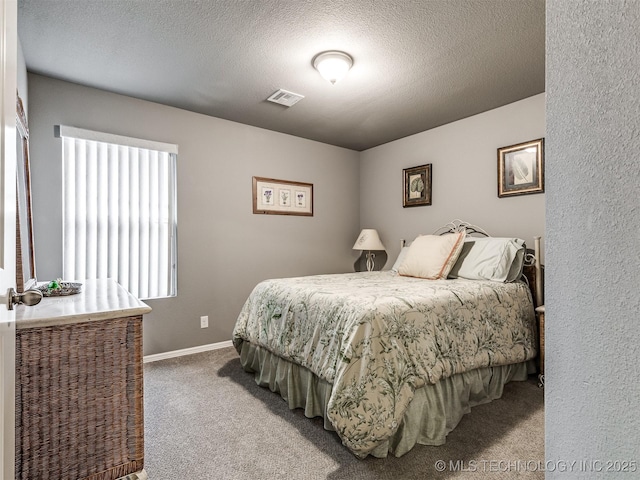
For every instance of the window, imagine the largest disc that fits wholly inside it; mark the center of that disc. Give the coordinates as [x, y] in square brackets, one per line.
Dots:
[119, 211]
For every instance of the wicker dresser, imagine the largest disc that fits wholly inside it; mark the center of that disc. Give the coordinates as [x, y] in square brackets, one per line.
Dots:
[79, 405]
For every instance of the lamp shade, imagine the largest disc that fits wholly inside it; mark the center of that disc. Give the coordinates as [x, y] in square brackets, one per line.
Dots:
[368, 240]
[333, 66]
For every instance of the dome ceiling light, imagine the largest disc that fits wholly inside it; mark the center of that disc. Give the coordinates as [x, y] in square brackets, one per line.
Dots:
[333, 65]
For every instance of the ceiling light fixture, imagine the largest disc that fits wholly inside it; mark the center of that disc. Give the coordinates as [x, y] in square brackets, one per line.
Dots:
[333, 65]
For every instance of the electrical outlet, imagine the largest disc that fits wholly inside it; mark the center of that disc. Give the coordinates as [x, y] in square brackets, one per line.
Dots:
[204, 321]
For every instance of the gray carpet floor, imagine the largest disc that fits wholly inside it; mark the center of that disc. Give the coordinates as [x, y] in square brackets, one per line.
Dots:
[205, 418]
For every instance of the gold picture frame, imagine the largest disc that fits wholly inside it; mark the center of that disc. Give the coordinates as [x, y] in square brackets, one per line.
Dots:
[417, 186]
[282, 197]
[521, 169]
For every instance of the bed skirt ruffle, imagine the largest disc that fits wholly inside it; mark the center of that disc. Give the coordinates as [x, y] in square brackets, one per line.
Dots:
[434, 411]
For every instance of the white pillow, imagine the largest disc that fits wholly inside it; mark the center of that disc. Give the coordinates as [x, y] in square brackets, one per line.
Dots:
[432, 256]
[400, 259]
[498, 259]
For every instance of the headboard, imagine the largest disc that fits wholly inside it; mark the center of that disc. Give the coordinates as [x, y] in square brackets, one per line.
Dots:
[533, 270]
[456, 226]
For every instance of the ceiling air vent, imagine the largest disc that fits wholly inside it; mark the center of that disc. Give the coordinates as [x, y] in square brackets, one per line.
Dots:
[283, 97]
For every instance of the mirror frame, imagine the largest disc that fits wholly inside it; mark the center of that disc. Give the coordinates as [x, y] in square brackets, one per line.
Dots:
[25, 254]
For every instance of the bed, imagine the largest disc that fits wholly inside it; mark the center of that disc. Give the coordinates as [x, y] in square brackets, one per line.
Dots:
[389, 359]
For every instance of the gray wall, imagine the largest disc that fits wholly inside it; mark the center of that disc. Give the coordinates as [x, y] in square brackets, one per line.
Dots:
[593, 234]
[223, 248]
[464, 171]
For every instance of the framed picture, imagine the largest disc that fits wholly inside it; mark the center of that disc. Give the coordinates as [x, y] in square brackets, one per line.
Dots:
[417, 186]
[282, 197]
[521, 168]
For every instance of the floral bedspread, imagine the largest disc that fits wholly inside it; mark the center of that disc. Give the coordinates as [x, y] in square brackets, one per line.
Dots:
[377, 336]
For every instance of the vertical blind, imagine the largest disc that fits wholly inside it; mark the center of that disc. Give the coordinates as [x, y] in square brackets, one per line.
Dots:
[119, 211]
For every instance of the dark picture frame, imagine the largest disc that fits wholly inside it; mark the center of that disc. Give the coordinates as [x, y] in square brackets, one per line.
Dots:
[521, 168]
[416, 186]
[282, 197]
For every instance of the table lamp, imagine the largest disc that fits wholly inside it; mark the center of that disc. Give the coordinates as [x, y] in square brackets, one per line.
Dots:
[369, 240]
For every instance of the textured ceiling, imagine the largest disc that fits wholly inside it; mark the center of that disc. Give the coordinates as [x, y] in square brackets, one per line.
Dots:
[417, 64]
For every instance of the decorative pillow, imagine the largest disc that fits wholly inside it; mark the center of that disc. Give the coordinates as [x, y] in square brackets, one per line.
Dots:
[432, 256]
[498, 259]
[400, 259]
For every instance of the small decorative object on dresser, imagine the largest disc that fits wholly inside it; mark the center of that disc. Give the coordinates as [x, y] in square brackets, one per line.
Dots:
[58, 288]
[417, 186]
[521, 168]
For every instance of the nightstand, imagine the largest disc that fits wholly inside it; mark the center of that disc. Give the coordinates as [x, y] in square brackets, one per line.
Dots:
[540, 315]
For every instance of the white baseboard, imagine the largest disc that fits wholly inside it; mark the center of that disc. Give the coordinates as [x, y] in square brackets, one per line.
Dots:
[186, 351]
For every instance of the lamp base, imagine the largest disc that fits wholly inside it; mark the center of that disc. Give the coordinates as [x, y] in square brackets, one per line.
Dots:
[370, 261]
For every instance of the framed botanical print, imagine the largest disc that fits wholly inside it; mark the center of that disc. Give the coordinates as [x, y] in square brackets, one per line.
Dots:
[417, 186]
[282, 197]
[521, 168]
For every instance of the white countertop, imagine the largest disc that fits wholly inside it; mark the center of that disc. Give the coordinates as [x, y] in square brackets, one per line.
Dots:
[98, 300]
